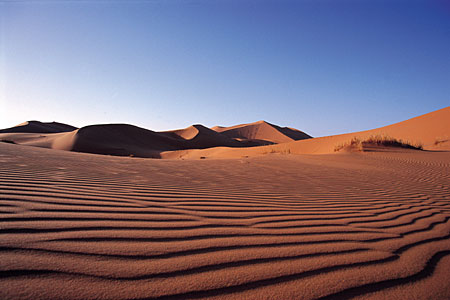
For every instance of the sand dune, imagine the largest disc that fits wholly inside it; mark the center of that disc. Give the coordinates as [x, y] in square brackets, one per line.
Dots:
[123, 140]
[263, 132]
[39, 127]
[370, 225]
[129, 140]
[110, 139]
[199, 136]
[431, 130]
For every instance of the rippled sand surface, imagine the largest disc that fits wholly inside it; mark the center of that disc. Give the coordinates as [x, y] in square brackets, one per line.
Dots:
[345, 226]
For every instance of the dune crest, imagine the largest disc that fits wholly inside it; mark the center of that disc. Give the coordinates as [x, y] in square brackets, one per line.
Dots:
[262, 131]
[129, 140]
[431, 131]
[199, 136]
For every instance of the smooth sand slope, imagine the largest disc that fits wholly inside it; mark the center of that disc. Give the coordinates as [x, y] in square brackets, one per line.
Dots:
[370, 225]
[262, 132]
[431, 130]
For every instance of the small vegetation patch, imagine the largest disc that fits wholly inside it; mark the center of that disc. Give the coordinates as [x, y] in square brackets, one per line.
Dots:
[278, 151]
[378, 140]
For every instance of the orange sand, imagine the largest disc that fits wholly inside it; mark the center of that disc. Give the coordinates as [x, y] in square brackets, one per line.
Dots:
[244, 223]
[129, 140]
[432, 130]
[370, 225]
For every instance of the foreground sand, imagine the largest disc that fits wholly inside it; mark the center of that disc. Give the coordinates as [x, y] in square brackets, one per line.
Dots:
[353, 225]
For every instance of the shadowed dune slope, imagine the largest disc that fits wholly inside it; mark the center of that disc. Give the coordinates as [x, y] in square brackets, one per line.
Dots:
[431, 130]
[264, 132]
[199, 136]
[124, 139]
[109, 139]
[39, 127]
[372, 225]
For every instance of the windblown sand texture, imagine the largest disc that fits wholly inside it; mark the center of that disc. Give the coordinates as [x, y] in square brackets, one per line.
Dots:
[342, 226]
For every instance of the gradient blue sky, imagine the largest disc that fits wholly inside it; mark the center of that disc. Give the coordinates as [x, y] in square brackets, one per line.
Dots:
[325, 67]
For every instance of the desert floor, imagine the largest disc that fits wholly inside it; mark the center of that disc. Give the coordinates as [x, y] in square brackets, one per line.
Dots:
[369, 225]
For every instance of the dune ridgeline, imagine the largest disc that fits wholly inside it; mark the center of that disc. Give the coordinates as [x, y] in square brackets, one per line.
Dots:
[429, 132]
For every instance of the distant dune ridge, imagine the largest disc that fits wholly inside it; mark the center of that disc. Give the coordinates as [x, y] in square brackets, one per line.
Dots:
[39, 127]
[263, 132]
[125, 139]
[199, 136]
[431, 131]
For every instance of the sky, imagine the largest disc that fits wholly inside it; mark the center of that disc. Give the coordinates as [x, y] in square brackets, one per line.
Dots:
[322, 66]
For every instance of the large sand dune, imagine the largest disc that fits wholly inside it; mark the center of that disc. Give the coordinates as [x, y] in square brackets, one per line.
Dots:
[431, 130]
[370, 225]
[199, 136]
[129, 140]
[264, 132]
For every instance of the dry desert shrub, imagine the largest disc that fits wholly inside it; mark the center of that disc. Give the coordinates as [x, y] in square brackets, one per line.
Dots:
[358, 144]
[278, 151]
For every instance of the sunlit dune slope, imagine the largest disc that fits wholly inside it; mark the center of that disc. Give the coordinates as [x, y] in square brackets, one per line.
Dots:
[199, 136]
[431, 130]
[262, 131]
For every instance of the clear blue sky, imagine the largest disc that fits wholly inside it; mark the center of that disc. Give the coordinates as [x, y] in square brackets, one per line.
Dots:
[325, 67]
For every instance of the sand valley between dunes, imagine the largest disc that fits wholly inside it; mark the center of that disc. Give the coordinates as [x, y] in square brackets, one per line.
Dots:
[372, 225]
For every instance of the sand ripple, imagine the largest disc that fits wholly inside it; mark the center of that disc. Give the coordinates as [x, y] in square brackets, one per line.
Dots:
[363, 226]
